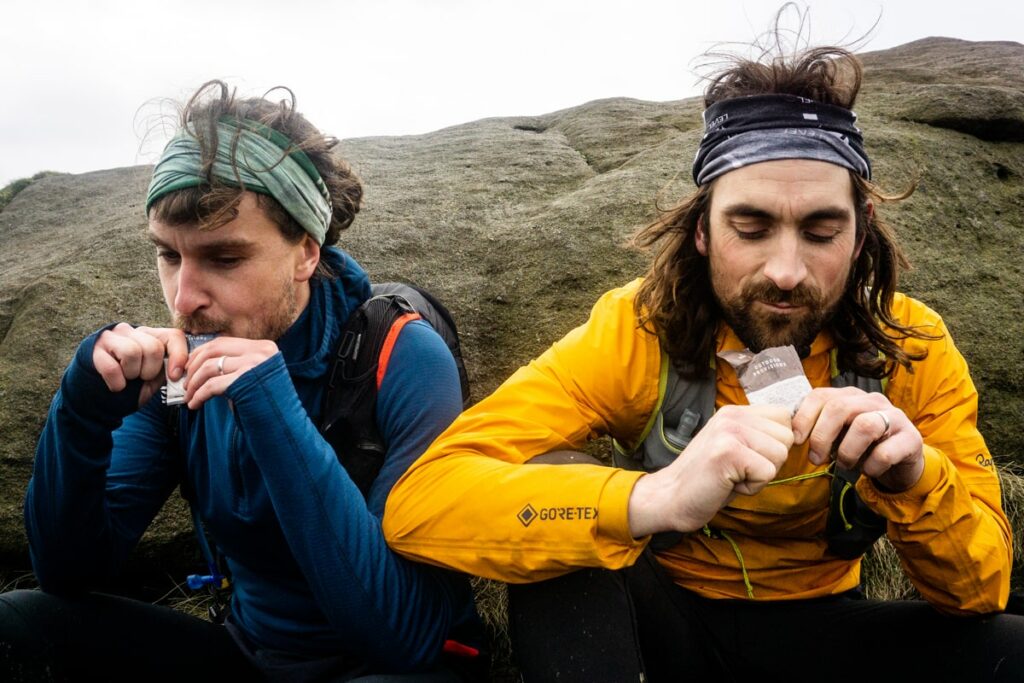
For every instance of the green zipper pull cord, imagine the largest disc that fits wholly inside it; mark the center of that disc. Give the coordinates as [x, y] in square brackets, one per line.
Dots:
[743, 566]
[712, 534]
[842, 509]
[800, 477]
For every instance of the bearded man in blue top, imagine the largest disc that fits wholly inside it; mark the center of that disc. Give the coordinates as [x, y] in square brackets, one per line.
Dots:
[243, 205]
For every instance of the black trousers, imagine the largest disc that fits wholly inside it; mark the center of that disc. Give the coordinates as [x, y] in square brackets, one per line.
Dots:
[102, 637]
[96, 637]
[636, 625]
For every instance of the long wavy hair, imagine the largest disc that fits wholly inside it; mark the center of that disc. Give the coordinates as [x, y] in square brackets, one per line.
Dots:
[676, 301]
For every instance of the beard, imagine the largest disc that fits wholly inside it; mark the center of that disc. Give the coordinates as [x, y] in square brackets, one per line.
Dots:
[270, 322]
[760, 329]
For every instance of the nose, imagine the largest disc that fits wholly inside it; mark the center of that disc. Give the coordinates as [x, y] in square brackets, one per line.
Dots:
[786, 265]
[191, 294]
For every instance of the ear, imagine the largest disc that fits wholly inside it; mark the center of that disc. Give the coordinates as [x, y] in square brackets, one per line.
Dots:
[700, 238]
[307, 257]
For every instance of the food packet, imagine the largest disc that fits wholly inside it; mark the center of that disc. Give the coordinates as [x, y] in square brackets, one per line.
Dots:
[771, 377]
[174, 391]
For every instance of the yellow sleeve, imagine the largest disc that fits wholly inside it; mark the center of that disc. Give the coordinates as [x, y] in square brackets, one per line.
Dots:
[469, 503]
[949, 529]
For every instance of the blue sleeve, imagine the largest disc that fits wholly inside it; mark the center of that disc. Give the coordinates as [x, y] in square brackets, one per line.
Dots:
[395, 611]
[101, 473]
[419, 397]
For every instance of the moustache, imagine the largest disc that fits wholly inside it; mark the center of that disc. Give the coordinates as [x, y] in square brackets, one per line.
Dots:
[767, 291]
[199, 324]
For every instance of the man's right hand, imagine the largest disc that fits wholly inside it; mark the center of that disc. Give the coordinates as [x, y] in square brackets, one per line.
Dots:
[125, 353]
[739, 450]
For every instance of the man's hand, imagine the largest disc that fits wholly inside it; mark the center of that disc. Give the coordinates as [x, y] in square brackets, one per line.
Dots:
[739, 450]
[125, 353]
[214, 366]
[879, 439]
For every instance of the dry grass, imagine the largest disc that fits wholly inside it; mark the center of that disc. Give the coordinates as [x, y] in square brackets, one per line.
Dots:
[1011, 478]
[492, 606]
[16, 579]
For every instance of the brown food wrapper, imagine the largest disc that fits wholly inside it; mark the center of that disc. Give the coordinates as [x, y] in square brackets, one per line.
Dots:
[772, 377]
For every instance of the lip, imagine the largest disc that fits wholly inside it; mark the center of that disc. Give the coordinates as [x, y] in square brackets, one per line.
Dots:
[780, 307]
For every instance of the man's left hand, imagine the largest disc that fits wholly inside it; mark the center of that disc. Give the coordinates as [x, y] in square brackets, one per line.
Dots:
[862, 431]
[214, 366]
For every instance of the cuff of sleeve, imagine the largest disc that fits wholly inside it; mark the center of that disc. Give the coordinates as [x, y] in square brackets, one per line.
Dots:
[266, 372]
[613, 515]
[905, 505]
[84, 390]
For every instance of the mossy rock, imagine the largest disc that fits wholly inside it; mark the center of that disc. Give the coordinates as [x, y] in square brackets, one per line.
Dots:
[519, 224]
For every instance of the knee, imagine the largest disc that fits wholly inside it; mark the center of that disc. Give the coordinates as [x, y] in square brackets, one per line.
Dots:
[23, 633]
[18, 607]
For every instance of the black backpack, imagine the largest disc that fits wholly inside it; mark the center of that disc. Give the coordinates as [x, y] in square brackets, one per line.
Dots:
[347, 418]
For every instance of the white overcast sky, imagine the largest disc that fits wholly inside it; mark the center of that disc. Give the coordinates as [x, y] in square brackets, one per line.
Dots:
[76, 73]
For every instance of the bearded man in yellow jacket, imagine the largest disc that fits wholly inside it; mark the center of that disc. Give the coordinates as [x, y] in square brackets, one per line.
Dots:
[781, 245]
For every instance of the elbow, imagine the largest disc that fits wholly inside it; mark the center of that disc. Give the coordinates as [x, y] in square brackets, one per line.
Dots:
[394, 526]
[987, 594]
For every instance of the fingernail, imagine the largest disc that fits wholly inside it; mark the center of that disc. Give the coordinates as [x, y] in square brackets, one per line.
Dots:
[797, 436]
[814, 457]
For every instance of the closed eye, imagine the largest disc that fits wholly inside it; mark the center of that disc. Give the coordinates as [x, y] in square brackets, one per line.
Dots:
[821, 237]
[755, 234]
[167, 255]
[226, 261]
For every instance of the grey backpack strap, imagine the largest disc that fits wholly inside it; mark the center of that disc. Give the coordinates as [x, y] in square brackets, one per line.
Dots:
[683, 408]
[686, 408]
[851, 379]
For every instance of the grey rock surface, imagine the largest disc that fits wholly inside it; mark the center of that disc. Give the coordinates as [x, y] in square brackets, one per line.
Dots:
[520, 223]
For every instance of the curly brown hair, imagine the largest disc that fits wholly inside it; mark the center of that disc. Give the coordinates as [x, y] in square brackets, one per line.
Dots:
[676, 301]
[216, 202]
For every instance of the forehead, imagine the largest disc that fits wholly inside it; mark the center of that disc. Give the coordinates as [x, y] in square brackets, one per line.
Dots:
[785, 184]
[251, 223]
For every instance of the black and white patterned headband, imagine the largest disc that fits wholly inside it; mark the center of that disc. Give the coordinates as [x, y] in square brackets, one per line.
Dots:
[748, 130]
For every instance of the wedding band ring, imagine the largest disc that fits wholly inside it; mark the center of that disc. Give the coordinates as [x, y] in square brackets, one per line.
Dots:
[885, 420]
[220, 371]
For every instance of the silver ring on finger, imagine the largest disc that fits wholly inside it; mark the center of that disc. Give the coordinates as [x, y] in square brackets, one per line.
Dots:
[885, 421]
[220, 371]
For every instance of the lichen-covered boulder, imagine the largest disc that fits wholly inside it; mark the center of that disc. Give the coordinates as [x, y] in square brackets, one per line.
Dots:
[518, 224]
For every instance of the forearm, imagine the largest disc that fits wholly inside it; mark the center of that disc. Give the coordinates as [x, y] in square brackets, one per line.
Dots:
[952, 537]
[528, 522]
[66, 515]
[949, 528]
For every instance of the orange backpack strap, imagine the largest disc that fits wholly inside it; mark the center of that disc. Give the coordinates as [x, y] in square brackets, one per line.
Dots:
[389, 344]
[366, 341]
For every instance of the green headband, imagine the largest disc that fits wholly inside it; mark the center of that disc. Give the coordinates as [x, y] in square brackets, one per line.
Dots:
[263, 160]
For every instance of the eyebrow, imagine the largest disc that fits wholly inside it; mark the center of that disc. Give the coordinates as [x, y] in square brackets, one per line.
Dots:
[235, 245]
[743, 210]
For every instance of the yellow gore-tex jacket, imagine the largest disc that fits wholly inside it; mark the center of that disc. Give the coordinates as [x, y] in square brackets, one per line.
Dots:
[468, 504]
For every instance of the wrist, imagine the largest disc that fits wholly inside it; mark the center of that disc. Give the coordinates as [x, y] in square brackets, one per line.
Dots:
[902, 477]
[653, 507]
